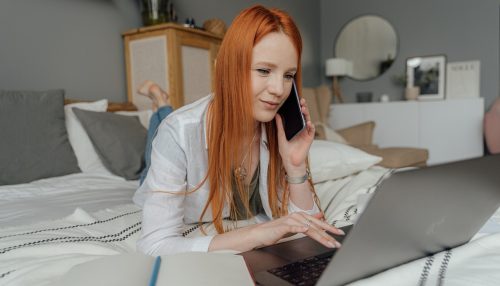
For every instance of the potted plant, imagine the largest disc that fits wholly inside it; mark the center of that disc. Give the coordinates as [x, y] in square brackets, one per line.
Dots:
[157, 11]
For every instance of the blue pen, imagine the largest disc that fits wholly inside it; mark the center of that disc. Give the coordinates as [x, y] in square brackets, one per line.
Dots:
[154, 274]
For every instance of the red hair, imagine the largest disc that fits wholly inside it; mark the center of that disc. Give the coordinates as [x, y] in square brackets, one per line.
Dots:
[230, 116]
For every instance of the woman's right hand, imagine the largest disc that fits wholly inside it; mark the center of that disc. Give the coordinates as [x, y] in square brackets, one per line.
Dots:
[269, 233]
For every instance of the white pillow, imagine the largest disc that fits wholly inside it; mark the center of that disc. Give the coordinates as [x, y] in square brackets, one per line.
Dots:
[331, 160]
[144, 116]
[88, 160]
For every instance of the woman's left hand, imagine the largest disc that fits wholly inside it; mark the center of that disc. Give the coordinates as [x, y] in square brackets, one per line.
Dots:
[295, 151]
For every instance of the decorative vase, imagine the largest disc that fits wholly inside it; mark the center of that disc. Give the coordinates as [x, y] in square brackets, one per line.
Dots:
[412, 92]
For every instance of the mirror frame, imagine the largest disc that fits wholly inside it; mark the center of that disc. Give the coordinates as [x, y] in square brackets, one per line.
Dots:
[396, 43]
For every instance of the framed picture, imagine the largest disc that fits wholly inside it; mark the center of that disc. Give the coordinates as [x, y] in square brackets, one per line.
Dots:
[427, 73]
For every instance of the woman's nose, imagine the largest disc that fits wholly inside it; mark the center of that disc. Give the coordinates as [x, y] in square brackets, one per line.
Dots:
[275, 86]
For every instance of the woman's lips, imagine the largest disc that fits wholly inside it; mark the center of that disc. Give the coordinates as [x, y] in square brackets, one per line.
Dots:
[270, 104]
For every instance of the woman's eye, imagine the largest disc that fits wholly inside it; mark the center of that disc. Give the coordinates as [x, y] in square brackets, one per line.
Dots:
[263, 71]
[289, 76]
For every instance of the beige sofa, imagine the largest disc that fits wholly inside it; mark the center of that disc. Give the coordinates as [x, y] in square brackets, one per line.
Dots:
[360, 135]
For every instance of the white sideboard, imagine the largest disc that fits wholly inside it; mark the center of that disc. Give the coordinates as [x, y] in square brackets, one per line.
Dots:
[451, 130]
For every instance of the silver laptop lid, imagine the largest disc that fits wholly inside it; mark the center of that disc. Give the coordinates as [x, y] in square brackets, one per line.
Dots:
[417, 213]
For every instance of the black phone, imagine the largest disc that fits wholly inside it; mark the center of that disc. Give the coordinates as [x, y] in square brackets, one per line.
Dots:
[291, 114]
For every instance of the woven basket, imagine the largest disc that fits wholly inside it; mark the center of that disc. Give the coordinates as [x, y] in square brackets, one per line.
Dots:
[215, 26]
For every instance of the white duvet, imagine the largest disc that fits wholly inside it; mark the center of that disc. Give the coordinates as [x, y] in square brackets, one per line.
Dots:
[41, 252]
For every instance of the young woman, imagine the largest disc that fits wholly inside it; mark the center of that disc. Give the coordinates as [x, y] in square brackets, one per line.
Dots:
[225, 157]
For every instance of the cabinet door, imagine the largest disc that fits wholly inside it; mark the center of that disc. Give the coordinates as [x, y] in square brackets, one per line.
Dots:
[396, 123]
[146, 59]
[197, 60]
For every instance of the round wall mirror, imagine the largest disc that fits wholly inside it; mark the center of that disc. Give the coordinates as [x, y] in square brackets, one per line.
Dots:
[369, 43]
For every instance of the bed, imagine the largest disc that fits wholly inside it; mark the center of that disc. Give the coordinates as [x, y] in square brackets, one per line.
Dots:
[48, 225]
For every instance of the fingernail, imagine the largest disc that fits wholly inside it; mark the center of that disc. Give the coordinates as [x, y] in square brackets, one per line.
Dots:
[332, 245]
[337, 244]
[341, 232]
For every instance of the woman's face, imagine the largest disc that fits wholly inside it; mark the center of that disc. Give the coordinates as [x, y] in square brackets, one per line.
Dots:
[274, 64]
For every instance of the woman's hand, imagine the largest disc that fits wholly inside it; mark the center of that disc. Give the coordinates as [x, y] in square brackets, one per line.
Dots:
[295, 151]
[313, 226]
[268, 233]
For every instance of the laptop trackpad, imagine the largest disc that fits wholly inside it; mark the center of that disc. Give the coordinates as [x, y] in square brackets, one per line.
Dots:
[259, 260]
[297, 249]
[302, 248]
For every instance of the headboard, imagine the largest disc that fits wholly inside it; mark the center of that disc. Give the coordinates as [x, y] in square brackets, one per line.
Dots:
[112, 106]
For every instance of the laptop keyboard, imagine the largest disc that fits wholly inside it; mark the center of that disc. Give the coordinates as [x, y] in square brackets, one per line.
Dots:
[303, 272]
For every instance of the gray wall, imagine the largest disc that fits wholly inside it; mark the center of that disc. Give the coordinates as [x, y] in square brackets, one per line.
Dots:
[305, 14]
[70, 44]
[461, 29]
[77, 44]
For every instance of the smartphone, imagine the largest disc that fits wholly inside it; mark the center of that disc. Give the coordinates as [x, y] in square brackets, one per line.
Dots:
[291, 114]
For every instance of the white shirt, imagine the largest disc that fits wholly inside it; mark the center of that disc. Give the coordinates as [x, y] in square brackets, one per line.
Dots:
[179, 162]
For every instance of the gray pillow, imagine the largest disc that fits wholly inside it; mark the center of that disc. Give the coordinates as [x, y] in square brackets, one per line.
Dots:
[120, 140]
[34, 142]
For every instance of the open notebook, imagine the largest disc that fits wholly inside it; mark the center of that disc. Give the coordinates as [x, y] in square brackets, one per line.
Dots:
[194, 268]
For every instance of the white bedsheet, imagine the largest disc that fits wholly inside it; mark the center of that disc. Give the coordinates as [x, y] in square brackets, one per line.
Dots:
[59, 196]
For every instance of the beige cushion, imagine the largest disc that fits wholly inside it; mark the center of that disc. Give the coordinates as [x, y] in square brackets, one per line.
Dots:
[309, 94]
[399, 157]
[324, 99]
[318, 101]
[358, 135]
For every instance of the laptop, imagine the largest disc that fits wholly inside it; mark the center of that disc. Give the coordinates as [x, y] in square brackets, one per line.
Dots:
[412, 214]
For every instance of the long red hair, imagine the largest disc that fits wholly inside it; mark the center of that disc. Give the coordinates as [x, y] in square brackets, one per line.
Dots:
[230, 117]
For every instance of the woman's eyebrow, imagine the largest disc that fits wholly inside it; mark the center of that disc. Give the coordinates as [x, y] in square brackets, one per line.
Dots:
[268, 64]
[272, 65]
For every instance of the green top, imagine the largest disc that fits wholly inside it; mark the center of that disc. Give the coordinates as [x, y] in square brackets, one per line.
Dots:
[255, 203]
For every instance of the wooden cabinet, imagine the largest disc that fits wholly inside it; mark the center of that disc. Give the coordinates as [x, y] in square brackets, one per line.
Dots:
[451, 130]
[181, 60]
